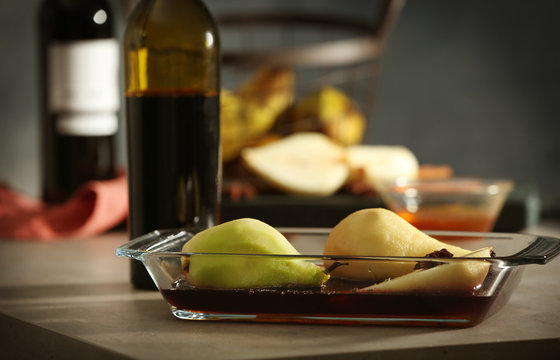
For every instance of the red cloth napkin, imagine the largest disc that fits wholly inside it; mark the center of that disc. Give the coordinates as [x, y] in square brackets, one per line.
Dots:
[95, 207]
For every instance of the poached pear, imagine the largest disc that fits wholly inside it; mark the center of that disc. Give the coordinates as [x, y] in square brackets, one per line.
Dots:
[380, 232]
[246, 236]
[452, 276]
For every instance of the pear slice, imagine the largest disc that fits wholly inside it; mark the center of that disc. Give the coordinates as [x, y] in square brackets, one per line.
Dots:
[378, 165]
[246, 236]
[458, 275]
[308, 164]
[380, 232]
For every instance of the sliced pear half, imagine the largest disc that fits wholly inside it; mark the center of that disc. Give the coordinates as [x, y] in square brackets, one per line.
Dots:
[308, 164]
[452, 276]
[379, 165]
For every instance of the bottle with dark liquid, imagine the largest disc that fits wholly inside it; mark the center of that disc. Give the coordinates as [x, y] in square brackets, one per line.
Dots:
[172, 79]
[80, 96]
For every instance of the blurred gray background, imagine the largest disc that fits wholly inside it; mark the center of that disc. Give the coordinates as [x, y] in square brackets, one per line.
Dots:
[473, 84]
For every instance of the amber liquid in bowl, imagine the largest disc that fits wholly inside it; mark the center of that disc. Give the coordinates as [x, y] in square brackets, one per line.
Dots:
[477, 221]
[332, 305]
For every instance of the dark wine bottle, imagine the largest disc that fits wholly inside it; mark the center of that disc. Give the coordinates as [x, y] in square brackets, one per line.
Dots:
[172, 80]
[80, 96]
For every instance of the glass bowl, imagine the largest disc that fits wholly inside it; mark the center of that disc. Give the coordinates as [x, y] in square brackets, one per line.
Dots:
[456, 204]
[342, 300]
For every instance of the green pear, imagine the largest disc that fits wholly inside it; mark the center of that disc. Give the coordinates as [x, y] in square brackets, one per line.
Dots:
[380, 232]
[453, 276]
[246, 236]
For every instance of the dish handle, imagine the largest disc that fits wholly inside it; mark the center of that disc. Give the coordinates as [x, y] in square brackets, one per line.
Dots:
[540, 251]
[141, 245]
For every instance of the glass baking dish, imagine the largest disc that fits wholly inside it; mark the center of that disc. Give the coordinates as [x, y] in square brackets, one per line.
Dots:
[341, 300]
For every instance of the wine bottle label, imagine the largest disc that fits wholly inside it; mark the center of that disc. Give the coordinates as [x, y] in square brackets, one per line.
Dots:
[87, 124]
[84, 86]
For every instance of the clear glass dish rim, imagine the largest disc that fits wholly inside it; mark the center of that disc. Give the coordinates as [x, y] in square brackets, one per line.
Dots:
[484, 186]
[540, 250]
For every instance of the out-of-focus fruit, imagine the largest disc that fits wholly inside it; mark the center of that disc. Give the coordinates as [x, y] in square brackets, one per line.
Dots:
[377, 165]
[246, 236]
[231, 128]
[250, 111]
[308, 164]
[331, 112]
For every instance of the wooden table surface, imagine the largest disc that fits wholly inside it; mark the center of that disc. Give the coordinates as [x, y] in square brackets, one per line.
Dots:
[71, 299]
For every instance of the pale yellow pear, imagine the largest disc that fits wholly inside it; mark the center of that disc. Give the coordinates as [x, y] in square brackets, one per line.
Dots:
[380, 232]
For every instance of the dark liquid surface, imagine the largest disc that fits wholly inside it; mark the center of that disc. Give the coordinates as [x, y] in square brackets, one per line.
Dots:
[455, 308]
[173, 164]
